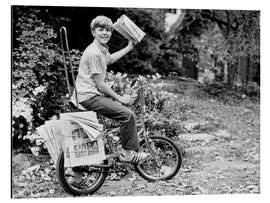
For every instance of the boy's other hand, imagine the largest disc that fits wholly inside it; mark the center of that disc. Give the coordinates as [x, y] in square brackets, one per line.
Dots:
[127, 99]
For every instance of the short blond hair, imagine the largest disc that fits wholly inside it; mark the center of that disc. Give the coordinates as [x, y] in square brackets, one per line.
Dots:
[101, 21]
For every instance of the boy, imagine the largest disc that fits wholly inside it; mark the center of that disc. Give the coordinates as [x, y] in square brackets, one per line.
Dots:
[90, 84]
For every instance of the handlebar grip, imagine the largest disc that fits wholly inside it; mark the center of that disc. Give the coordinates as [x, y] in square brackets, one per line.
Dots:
[133, 82]
[132, 86]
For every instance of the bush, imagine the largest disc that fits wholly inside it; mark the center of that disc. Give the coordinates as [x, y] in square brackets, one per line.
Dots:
[252, 89]
[215, 89]
[38, 86]
[231, 93]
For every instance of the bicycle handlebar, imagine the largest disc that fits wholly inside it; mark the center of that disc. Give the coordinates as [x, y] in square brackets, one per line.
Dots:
[141, 96]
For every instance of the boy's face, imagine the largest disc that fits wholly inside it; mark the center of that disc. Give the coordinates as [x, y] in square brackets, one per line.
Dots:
[102, 34]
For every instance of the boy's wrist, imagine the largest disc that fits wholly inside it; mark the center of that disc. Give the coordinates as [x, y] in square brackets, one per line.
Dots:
[118, 98]
[130, 45]
[129, 48]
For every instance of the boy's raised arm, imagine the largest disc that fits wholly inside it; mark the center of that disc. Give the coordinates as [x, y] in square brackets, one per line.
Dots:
[117, 55]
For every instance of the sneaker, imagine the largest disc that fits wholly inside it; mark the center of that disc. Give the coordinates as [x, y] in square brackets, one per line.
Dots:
[133, 157]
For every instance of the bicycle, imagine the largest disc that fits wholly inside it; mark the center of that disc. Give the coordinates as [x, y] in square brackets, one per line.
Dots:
[163, 163]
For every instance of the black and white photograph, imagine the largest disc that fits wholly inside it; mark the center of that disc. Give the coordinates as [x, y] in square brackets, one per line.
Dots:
[170, 96]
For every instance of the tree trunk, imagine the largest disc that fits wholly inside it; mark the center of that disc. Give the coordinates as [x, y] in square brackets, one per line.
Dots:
[228, 21]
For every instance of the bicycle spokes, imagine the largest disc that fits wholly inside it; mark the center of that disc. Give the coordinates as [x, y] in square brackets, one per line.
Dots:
[167, 160]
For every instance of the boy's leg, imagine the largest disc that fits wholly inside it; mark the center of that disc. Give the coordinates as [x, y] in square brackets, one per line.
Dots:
[108, 108]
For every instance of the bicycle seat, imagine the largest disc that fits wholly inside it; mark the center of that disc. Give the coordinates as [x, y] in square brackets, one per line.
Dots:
[75, 107]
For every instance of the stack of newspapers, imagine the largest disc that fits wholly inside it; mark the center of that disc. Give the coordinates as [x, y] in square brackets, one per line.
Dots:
[128, 29]
[78, 134]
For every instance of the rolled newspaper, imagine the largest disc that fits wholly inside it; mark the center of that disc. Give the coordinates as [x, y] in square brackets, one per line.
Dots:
[128, 29]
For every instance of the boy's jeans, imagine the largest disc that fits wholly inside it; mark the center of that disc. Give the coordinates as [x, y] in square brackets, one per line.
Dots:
[113, 110]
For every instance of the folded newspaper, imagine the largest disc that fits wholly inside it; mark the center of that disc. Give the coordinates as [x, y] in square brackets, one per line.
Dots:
[128, 29]
[87, 120]
[53, 133]
[78, 134]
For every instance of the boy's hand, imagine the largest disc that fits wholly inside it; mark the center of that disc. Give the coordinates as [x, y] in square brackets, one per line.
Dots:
[131, 44]
[127, 99]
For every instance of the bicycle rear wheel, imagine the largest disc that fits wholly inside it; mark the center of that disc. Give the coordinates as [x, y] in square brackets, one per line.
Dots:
[169, 159]
[82, 180]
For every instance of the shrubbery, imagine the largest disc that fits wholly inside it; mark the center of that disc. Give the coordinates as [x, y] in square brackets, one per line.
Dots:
[231, 93]
[38, 83]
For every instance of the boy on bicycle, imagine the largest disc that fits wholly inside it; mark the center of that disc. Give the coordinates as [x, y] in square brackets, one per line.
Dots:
[90, 84]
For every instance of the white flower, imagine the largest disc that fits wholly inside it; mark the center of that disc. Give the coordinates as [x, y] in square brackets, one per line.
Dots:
[35, 150]
[21, 108]
[38, 90]
[158, 76]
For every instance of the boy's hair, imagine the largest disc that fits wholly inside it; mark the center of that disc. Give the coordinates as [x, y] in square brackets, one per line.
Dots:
[101, 21]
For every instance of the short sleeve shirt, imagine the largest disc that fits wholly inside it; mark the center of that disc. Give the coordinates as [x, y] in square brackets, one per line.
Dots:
[94, 60]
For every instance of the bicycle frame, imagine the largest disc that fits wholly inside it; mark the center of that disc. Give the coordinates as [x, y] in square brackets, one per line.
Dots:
[142, 134]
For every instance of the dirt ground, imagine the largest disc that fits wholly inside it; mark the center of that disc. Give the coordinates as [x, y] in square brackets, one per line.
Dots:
[225, 160]
[222, 162]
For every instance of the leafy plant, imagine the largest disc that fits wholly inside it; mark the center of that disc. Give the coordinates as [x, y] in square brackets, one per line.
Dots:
[38, 87]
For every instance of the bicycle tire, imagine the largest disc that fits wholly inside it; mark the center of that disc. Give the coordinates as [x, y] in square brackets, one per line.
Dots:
[60, 173]
[139, 167]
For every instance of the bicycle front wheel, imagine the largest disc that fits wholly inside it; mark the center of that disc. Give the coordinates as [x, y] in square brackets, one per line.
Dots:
[168, 159]
[82, 180]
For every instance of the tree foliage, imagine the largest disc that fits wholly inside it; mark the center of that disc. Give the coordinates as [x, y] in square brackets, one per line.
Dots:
[147, 57]
[212, 36]
[244, 40]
